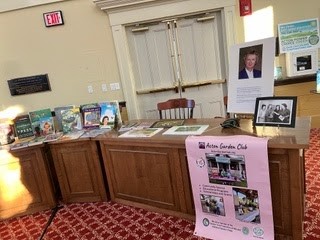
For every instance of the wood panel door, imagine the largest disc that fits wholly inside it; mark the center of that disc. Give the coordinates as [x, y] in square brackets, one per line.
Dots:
[78, 170]
[25, 182]
[146, 175]
[287, 191]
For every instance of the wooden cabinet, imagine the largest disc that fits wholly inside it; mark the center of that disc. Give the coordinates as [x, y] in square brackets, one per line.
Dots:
[25, 182]
[78, 170]
[188, 196]
[153, 172]
[148, 175]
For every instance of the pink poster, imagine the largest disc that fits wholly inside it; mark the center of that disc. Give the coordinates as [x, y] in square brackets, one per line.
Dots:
[231, 187]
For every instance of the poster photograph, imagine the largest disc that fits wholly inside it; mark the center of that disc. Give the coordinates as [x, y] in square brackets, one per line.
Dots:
[251, 74]
[299, 35]
[231, 187]
[224, 175]
[250, 57]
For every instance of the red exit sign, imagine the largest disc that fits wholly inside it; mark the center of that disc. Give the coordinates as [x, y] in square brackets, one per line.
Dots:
[53, 18]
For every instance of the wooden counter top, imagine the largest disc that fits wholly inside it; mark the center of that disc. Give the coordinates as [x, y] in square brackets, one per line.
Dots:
[282, 137]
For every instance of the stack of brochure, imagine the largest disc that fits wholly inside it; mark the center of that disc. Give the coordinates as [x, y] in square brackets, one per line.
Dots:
[36, 141]
[53, 137]
[19, 145]
[72, 135]
[92, 133]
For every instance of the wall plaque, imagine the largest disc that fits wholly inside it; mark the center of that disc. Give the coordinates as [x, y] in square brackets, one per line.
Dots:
[27, 85]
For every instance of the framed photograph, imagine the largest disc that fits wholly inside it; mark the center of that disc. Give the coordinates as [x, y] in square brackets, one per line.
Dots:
[275, 111]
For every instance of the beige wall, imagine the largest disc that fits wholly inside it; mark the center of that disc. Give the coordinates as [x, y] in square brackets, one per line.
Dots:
[307, 103]
[75, 55]
[81, 52]
[283, 11]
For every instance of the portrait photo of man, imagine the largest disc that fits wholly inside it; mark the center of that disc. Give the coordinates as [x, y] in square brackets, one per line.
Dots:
[250, 62]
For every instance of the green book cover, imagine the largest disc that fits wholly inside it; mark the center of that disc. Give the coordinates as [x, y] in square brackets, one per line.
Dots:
[58, 115]
[23, 127]
[71, 120]
[42, 122]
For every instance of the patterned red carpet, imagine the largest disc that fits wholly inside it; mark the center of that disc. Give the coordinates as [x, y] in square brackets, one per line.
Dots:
[111, 221]
[103, 221]
[312, 215]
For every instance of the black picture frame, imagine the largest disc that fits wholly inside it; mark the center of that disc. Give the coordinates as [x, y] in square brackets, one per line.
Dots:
[275, 111]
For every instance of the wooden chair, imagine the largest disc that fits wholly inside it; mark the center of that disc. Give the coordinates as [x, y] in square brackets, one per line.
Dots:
[179, 108]
[225, 103]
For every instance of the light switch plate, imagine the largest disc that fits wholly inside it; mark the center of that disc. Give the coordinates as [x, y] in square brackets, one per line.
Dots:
[90, 89]
[117, 86]
[104, 87]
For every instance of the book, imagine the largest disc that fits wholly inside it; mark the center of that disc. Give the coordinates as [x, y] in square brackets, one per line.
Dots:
[53, 137]
[47, 126]
[6, 133]
[186, 130]
[42, 122]
[141, 132]
[72, 135]
[19, 145]
[58, 115]
[23, 127]
[110, 114]
[118, 114]
[71, 119]
[168, 123]
[91, 115]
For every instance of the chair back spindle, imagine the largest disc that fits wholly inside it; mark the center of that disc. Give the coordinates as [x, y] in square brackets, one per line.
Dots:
[179, 108]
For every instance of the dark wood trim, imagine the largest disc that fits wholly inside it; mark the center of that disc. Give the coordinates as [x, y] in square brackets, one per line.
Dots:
[293, 80]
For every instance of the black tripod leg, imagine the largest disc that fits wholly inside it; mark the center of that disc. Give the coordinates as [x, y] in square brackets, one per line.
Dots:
[53, 214]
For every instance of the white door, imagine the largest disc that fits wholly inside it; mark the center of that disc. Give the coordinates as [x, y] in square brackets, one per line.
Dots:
[180, 57]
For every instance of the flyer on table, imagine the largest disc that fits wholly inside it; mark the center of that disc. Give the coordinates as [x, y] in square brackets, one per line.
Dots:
[231, 187]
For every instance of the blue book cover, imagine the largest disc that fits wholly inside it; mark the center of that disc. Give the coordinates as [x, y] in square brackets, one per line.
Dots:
[109, 114]
[91, 115]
